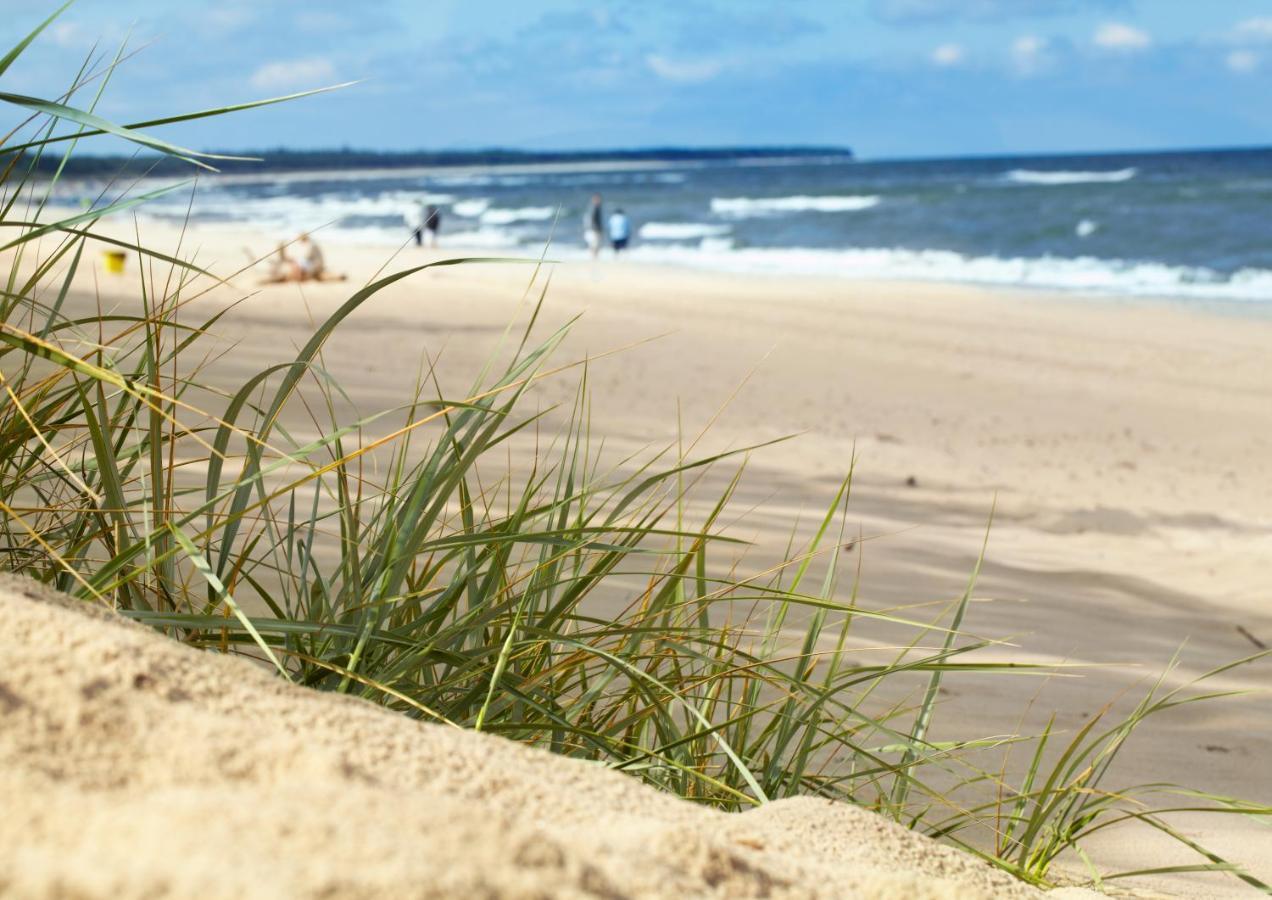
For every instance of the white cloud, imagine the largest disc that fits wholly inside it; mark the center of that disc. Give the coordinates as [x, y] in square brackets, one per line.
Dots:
[684, 70]
[949, 55]
[1029, 54]
[67, 34]
[1120, 37]
[1242, 62]
[76, 36]
[1257, 29]
[313, 71]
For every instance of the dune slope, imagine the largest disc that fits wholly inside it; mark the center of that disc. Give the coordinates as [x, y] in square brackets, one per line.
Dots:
[134, 766]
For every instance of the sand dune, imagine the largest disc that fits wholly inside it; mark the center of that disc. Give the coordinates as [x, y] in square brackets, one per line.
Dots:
[135, 767]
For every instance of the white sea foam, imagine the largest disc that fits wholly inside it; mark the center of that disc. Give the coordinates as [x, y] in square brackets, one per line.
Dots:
[483, 180]
[480, 237]
[1029, 176]
[524, 214]
[474, 238]
[1086, 273]
[295, 213]
[715, 244]
[470, 208]
[680, 231]
[741, 207]
[1086, 228]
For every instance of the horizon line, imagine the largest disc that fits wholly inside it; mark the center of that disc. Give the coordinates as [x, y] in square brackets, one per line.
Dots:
[650, 151]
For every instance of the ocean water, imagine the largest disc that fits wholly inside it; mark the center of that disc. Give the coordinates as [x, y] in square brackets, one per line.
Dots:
[1190, 225]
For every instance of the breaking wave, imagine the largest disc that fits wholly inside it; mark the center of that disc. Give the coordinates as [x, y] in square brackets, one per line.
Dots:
[524, 214]
[1081, 274]
[681, 231]
[742, 207]
[1030, 176]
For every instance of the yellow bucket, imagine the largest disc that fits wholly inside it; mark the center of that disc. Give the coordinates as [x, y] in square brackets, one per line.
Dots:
[114, 261]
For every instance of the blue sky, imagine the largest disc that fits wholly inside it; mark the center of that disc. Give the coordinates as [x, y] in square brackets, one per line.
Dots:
[886, 77]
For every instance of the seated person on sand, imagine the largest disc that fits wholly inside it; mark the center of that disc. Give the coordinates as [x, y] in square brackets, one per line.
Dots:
[311, 264]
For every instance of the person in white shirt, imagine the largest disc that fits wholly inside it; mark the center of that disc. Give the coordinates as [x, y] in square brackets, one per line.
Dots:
[593, 226]
[309, 259]
[415, 217]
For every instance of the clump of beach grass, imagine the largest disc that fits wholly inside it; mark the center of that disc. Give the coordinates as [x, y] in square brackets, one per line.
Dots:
[398, 557]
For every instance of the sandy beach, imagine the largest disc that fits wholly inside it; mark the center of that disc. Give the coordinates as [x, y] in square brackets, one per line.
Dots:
[286, 792]
[1124, 447]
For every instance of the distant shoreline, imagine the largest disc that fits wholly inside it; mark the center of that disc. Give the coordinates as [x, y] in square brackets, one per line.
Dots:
[357, 173]
[281, 160]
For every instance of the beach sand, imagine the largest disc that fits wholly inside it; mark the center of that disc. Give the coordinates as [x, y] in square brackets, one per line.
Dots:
[1125, 445]
[135, 767]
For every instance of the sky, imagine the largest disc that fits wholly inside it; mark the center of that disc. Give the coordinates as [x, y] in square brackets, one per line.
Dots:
[888, 78]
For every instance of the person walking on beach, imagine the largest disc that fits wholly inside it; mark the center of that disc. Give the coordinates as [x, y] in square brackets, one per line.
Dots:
[415, 218]
[620, 230]
[432, 224]
[593, 229]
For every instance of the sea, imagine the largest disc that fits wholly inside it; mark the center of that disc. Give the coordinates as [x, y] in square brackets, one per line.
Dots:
[1190, 225]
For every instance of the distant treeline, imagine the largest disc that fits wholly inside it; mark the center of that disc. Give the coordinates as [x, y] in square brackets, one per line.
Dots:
[281, 160]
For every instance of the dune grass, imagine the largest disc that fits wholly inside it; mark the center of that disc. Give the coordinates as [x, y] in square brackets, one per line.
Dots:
[463, 562]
